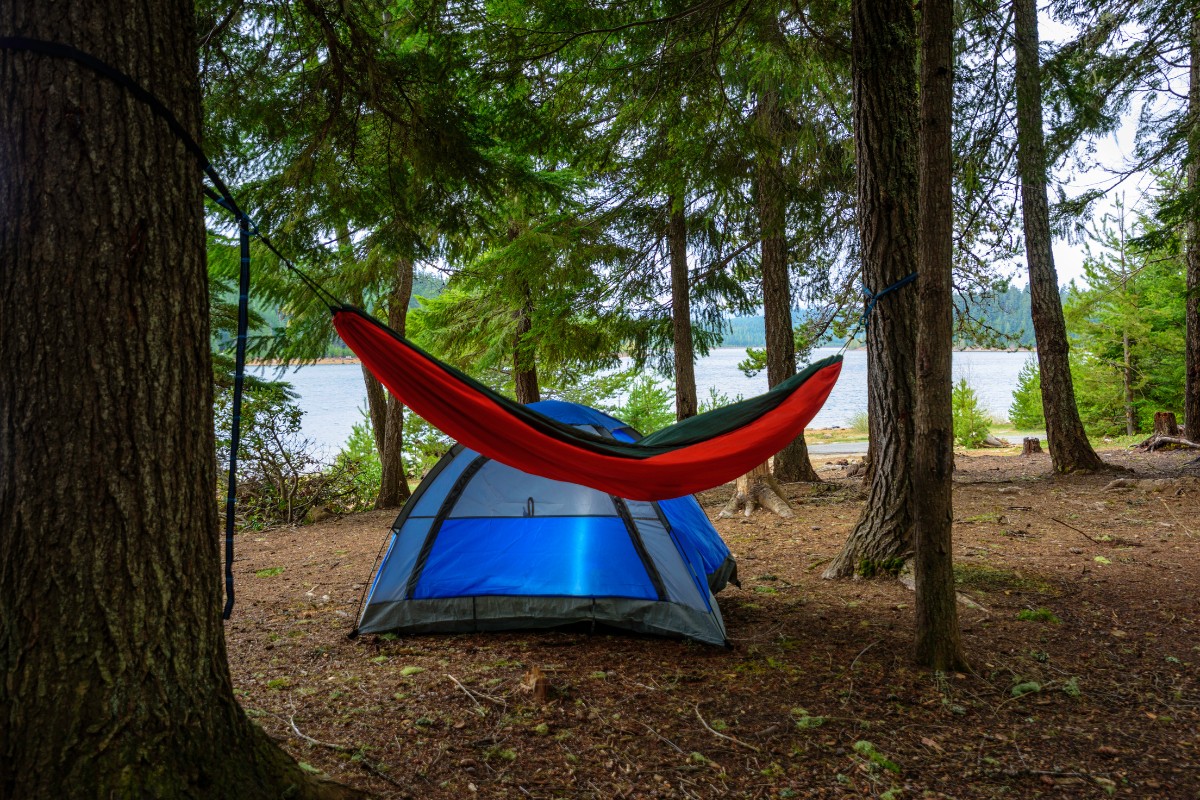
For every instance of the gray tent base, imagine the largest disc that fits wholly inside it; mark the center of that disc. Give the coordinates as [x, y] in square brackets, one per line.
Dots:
[504, 613]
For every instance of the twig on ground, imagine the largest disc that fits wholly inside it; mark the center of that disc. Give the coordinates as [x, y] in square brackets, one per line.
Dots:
[1179, 522]
[663, 738]
[475, 695]
[1072, 527]
[860, 653]
[366, 764]
[720, 735]
[341, 748]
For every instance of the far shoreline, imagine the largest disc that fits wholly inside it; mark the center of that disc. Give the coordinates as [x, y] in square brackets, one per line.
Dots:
[325, 361]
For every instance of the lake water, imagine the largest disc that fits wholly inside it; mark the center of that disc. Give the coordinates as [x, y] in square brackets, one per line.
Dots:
[332, 395]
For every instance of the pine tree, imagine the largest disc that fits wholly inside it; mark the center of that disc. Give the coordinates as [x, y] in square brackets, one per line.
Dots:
[111, 639]
[1070, 450]
[938, 641]
[885, 123]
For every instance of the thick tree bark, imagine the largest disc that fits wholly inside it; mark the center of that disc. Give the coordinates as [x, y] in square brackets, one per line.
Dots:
[525, 380]
[1191, 389]
[686, 404]
[885, 129]
[938, 641]
[377, 398]
[376, 393]
[111, 642]
[792, 462]
[757, 488]
[393, 484]
[1070, 450]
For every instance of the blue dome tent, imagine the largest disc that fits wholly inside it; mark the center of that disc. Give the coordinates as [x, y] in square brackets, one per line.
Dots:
[484, 546]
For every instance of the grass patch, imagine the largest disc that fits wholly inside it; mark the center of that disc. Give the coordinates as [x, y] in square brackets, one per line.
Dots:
[1037, 615]
[269, 572]
[984, 578]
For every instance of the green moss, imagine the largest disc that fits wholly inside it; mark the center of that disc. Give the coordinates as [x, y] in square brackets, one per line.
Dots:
[982, 577]
[872, 568]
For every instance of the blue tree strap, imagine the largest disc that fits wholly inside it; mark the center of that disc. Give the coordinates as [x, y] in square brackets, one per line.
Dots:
[239, 377]
[873, 297]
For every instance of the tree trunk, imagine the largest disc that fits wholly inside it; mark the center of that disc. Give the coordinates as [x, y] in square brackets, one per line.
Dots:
[1070, 450]
[393, 484]
[792, 462]
[1165, 424]
[376, 394]
[111, 641]
[1191, 389]
[757, 488]
[1127, 376]
[938, 641]
[377, 399]
[525, 380]
[885, 125]
[681, 312]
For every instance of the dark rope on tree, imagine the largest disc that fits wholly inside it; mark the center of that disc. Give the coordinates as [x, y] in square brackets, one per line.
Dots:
[239, 376]
[874, 297]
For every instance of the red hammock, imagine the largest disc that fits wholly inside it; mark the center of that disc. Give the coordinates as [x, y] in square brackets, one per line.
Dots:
[696, 454]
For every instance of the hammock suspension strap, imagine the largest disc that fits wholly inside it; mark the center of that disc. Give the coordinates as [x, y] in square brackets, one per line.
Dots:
[874, 297]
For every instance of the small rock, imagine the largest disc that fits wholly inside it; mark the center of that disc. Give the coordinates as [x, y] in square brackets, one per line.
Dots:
[1075, 550]
[1009, 490]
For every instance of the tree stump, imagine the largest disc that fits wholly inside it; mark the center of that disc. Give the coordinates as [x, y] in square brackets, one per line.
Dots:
[1031, 445]
[757, 487]
[1165, 424]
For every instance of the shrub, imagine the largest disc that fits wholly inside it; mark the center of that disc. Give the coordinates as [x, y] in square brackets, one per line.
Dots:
[971, 425]
[360, 461]
[648, 407]
[281, 477]
[423, 445]
[1025, 413]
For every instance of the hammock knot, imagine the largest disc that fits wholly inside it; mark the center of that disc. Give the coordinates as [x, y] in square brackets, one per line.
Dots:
[874, 297]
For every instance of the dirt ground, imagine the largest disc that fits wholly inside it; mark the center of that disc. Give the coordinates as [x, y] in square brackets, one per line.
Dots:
[1083, 630]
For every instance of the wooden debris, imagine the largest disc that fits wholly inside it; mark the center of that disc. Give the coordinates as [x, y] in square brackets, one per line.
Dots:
[1165, 424]
[535, 683]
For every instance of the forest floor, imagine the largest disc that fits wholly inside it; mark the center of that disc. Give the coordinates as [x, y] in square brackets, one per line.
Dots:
[1083, 631]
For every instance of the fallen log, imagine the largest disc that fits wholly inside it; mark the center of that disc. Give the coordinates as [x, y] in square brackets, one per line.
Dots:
[1157, 442]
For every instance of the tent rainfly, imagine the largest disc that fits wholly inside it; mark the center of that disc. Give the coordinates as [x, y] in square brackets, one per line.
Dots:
[483, 546]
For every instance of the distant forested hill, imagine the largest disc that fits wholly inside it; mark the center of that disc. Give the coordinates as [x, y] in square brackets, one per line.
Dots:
[1002, 320]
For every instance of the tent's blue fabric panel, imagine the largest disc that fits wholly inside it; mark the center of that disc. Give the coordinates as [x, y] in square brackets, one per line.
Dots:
[690, 524]
[500, 491]
[683, 581]
[431, 499]
[575, 414]
[535, 556]
[397, 565]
